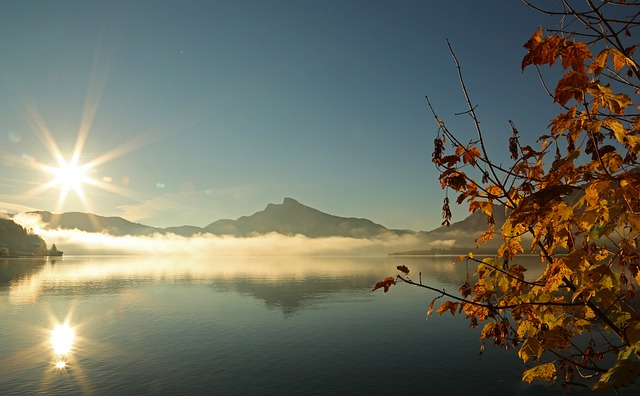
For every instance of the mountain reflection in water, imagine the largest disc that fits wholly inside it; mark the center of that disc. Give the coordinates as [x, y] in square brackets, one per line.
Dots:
[238, 326]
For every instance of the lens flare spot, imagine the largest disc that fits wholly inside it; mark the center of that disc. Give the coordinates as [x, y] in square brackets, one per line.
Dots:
[62, 338]
[15, 137]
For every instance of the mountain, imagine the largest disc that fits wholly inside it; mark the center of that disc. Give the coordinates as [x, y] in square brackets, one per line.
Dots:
[460, 237]
[90, 222]
[291, 218]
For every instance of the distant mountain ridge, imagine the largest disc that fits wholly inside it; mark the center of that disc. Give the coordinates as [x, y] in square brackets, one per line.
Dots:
[289, 218]
[292, 218]
[90, 222]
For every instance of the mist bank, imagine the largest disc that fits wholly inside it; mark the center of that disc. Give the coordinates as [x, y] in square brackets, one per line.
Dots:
[76, 242]
[287, 229]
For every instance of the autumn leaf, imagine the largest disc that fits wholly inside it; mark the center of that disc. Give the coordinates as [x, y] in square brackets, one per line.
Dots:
[623, 374]
[454, 179]
[613, 161]
[545, 372]
[604, 97]
[556, 338]
[469, 154]
[572, 86]
[403, 269]
[465, 290]
[530, 348]
[619, 60]
[563, 121]
[430, 310]
[599, 62]
[632, 332]
[448, 306]
[541, 51]
[386, 284]
[574, 56]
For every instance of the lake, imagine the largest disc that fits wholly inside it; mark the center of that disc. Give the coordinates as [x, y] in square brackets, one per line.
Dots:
[240, 326]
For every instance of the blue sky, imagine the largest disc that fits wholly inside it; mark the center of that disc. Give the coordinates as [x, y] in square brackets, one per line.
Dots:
[213, 109]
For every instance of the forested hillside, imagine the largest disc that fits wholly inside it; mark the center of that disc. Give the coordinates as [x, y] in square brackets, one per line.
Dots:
[15, 240]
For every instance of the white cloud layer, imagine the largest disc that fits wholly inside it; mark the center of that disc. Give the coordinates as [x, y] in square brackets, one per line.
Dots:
[81, 242]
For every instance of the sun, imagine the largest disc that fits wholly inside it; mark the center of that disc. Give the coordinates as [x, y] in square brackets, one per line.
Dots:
[69, 176]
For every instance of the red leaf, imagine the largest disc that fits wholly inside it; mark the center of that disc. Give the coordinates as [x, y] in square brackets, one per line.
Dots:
[385, 284]
[403, 269]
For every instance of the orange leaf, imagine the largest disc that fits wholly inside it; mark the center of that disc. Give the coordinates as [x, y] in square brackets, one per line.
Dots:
[604, 96]
[574, 55]
[598, 64]
[619, 59]
[430, 311]
[572, 86]
[542, 51]
[386, 284]
[470, 156]
[448, 306]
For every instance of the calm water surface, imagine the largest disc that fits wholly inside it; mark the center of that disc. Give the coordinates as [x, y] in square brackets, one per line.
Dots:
[231, 326]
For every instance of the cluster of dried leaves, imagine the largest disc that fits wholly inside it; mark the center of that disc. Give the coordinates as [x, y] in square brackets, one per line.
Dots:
[579, 210]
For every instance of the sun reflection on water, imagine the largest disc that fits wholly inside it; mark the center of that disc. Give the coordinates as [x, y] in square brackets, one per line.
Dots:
[62, 338]
[61, 364]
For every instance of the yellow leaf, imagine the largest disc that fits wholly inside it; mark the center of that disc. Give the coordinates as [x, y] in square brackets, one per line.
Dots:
[448, 306]
[527, 328]
[613, 161]
[581, 324]
[494, 190]
[503, 283]
[599, 62]
[603, 96]
[530, 348]
[615, 125]
[618, 59]
[625, 372]
[545, 144]
[632, 332]
[460, 258]
[545, 372]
